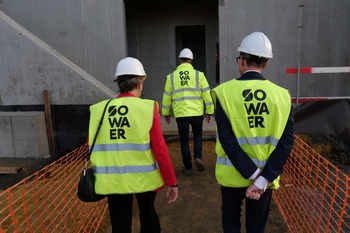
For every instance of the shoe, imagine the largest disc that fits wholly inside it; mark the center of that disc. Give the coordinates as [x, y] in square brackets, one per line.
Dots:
[186, 172]
[199, 165]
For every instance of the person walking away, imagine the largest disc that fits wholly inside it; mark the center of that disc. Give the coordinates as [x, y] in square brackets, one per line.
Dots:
[130, 156]
[255, 135]
[187, 92]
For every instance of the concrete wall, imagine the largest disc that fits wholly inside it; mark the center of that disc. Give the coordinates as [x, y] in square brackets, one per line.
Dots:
[89, 33]
[92, 35]
[324, 43]
[306, 33]
[28, 66]
[23, 135]
[276, 19]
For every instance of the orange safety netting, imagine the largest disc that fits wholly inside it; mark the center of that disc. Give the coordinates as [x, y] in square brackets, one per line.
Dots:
[314, 194]
[47, 202]
[314, 197]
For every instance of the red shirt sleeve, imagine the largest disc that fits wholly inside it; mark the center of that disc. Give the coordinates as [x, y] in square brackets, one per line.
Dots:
[160, 150]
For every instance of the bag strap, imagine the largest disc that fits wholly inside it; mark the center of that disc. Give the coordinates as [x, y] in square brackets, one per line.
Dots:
[98, 130]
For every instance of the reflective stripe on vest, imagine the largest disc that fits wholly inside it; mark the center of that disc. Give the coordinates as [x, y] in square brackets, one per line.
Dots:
[122, 147]
[227, 162]
[258, 117]
[122, 158]
[126, 169]
[253, 141]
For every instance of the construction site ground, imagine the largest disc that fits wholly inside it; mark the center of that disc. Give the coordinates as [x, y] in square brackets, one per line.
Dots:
[198, 208]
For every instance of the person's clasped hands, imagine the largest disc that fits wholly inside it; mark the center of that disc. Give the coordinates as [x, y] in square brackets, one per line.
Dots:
[255, 190]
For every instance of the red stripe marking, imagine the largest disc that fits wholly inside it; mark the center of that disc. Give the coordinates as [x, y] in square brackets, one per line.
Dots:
[303, 100]
[302, 70]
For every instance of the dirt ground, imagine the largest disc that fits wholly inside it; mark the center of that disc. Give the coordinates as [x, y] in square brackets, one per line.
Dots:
[198, 206]
[28, 167]
[334, 151]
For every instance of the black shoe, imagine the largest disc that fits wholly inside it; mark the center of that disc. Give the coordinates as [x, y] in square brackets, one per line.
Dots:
[186, 172]
[199, 165]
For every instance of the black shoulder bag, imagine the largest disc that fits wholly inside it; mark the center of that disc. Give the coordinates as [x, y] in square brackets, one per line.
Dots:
[86, 186]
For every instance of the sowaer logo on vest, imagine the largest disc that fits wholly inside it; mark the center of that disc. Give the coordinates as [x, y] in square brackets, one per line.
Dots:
[253, 109]
[117, 120]
[184, 77]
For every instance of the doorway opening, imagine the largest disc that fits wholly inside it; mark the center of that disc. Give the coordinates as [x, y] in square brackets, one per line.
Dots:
[192, 37]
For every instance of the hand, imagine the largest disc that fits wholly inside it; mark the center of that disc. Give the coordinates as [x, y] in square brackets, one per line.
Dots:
[209, 119]
[253, 192]
[167, 119]
[172, 194]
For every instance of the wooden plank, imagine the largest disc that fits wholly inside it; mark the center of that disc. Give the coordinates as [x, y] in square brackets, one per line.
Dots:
[10, 170]
[49, 127]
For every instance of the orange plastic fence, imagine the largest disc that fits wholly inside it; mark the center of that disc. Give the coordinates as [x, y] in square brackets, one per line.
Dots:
[314, 194]
[314, 197]
[47, 201]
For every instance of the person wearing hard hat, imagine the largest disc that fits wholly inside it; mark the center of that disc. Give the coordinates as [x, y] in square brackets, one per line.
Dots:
[187, 92]
[130, 155]
[255, 135]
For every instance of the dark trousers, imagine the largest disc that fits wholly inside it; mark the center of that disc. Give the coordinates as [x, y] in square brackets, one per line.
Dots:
[183, 124]
[120, 212]
[257, 212]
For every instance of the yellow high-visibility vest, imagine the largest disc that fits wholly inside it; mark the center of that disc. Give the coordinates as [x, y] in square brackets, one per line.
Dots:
[258, 111]
[187, 92]
[122, 158]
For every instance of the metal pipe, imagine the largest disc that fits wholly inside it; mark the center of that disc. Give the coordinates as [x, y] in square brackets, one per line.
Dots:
[300, 26]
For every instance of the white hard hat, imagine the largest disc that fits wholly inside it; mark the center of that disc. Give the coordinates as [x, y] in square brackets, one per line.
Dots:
[130, 66]
[256, 44]
[186, 53]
